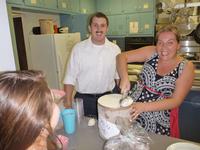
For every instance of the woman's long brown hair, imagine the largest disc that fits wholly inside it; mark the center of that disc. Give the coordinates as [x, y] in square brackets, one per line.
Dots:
[25, 108]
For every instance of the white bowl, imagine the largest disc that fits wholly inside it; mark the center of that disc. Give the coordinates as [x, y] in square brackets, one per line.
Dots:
[183, 146]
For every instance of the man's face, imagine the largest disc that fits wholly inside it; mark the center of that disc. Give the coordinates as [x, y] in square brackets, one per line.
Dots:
[98, 30]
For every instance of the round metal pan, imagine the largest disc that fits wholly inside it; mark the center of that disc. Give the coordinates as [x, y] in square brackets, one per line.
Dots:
[197, 34]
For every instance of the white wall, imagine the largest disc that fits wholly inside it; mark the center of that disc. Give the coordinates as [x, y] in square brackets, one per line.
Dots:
[30, 20]
[7, 61]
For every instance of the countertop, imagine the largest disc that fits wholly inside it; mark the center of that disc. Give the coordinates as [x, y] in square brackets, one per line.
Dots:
[87, 138]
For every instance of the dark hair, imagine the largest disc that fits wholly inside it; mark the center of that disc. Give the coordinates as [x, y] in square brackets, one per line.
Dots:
[98, 15]
[169, 28]
[26, 107]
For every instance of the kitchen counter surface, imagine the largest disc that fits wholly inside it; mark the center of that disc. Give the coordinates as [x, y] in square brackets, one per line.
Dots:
[87, 138]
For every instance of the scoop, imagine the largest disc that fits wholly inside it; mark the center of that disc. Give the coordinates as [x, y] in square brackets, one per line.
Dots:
[126, 100]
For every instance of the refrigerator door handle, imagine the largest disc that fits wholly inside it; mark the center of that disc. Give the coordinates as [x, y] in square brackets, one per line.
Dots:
[60, 70]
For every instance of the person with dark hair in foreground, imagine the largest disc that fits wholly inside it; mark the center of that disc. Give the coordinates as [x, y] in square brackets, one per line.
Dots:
[28, 114]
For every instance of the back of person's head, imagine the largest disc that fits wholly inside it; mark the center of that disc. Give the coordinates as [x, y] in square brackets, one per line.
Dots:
[98, 15]
[169, 28]
[25, 109]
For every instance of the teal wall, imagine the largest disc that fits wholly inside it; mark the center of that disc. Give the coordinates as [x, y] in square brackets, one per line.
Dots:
[76, 23]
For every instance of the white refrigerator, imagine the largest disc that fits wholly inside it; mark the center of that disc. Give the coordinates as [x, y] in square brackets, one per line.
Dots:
[50, 53]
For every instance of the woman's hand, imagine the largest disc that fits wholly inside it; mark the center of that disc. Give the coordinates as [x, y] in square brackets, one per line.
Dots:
[67, 104]
[125, 86]
[137, 109]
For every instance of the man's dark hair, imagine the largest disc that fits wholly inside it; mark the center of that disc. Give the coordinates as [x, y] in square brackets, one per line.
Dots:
[98, 15]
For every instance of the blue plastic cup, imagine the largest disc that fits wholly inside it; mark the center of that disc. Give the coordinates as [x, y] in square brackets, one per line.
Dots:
[69, 120]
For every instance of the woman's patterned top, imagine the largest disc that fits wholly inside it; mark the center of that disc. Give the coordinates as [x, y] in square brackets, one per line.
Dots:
[153, 87]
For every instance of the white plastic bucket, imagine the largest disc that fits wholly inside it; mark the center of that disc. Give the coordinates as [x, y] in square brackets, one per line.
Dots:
[46, 26]
[108, 111]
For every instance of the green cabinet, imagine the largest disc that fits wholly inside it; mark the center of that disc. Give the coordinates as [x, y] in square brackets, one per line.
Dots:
[146, 5]
[115, 6]
[16, 1]
[126, 17]
[74, 5]
[141, 24]
[34, 3]
[87, 6]
[76, 23]
[41, 3]
[50, 4]
[63, 4]
[77, 6]
[132, 6]
[109, 7]
[147, 23]
[117, 25]
[131, 24]
[80, 27]
[103, 6]
[129, 17]
[69, 5]
[129, 6]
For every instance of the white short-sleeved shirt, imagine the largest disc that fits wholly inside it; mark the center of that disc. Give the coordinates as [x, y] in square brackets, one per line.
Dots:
[92, 68]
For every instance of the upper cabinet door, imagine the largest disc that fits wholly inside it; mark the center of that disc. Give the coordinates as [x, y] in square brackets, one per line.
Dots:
[115, 6]
[69, 5]
[110, 7]
[129, 6]
[117, 25]
[42, 3]
[147, 23]
[16, 1]
[133, 24]
[141, 24]
[132, 6]
[50, 4]
[87, 6]
[35, 3]
[145, 5]
[74, 5]
[103, 6]
[63, 4]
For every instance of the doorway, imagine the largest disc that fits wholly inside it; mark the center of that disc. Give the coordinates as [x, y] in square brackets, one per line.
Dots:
[19, 36]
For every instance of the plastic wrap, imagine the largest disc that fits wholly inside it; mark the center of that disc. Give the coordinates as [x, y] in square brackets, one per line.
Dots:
[132, 137]
[122, 142]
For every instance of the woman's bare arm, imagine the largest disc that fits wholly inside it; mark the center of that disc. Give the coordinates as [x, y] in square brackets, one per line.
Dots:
[138, 55]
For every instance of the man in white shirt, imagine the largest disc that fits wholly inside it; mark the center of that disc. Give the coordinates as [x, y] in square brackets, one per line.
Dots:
[91, 70]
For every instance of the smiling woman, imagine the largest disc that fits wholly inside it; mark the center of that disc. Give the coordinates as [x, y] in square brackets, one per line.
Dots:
[159, 90]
